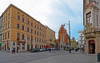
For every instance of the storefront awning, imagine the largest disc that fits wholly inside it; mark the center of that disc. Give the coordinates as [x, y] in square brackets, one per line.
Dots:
[0, 42]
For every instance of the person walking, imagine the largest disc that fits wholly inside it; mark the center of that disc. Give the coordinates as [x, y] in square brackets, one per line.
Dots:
[17, 49]
[69, 50]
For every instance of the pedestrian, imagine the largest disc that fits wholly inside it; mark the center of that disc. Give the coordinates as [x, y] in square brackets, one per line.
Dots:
[69, 50]
[8, 50]
[49, 49]
[12, 51]
[17, 49]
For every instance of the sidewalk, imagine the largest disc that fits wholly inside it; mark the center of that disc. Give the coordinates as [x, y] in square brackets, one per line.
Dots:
[66, 57]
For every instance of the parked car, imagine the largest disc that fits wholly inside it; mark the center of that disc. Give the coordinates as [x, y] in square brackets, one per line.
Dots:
[42, 49]
[35, 50]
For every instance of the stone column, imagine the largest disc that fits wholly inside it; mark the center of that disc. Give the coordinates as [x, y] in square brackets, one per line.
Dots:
[93, 17]
[20, 46]
[87, 46]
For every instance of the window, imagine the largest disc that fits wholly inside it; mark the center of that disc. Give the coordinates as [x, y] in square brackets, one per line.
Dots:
[62, 39]
[35, 31]
[28, 22]
[35, 26]
[27, 29]
[88, 18]
[22, 36]
[28, 37]
[31, 31]
[22, 19]
[5, 35]
[40, 33]
[18, 17]
[97, 20]
[35, 39]
[31, 38]
[40, 28]
[22, 27]
[31, 24]
[8, 35]
[18, 36]
[9, 14]
[8, 24]
[17, 26]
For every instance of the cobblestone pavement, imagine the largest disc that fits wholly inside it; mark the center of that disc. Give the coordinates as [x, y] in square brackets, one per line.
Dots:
[47, 57]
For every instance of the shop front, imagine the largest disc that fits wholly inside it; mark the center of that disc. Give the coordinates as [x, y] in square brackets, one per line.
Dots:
[92, 47]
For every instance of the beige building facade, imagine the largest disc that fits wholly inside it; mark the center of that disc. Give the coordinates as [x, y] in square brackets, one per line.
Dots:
[50, 36]
[91, 21]
[22, 31]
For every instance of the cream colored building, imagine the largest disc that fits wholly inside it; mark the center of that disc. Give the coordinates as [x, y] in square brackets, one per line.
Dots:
[73, 43]
[91, 22]
[22, 31]
[81, 39]
[50, 36]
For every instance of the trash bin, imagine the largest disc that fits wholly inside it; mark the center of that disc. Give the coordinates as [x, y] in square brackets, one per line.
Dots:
[98, 57]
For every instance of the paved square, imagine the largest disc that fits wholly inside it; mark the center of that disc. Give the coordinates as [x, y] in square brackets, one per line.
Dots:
[47, 57]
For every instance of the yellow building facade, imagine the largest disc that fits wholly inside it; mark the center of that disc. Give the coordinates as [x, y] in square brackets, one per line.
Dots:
[50, 36]
[22, 31]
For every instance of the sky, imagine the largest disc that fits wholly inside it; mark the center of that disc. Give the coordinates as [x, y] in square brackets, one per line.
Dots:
[52, 13]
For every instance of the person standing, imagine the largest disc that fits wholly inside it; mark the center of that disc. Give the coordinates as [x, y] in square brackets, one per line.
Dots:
[17, 49]
[69, 50]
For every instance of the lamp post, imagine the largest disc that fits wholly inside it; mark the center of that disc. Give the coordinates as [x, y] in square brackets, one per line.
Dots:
[69, 31]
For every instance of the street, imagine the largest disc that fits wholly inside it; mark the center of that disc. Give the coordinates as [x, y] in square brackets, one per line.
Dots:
[47, 57]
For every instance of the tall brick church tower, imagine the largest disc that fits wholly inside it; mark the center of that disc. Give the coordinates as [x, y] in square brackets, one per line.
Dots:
[63, 38]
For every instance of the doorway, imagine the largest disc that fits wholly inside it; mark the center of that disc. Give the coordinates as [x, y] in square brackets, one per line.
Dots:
[92, 47]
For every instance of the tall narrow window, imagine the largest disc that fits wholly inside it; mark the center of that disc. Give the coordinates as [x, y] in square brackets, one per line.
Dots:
[31, 38]
[17, 26]
[31, 24]
[35, 26]
[31, 31]
[22, 19]
[22, 27]
[8, 24]
[28, 37]
[35, 31]
[18, 17]
[88, 18]
[18, 36]
[97, 20]
[28, 22]
[27, 29]
[22, 36]
[8, 35]
[62, 39]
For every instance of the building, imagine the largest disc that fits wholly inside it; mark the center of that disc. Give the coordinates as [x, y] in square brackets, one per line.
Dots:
[50, 36]
[1, 31]
[63, 38]
[73, 43]
[21, 31]
[91, 21]
[81, 39]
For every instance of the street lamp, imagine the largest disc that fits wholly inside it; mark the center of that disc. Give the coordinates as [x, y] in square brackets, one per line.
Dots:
[69, 31]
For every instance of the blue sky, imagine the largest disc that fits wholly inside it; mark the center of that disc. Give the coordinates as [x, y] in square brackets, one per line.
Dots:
[52, 13]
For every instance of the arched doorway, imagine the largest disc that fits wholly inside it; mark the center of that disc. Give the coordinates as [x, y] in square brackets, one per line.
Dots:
[92, 46]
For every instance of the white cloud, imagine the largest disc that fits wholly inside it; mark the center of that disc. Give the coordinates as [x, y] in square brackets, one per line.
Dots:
[46, 13]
